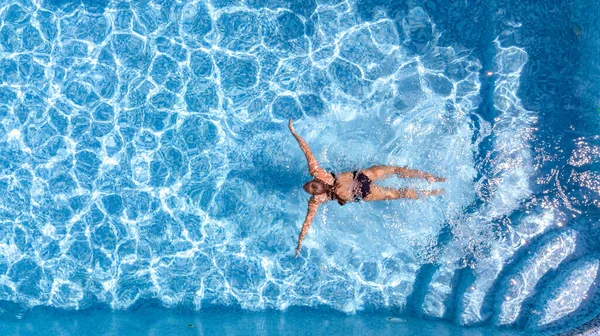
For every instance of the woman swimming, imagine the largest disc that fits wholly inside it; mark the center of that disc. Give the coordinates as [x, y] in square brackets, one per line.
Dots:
[353, 186]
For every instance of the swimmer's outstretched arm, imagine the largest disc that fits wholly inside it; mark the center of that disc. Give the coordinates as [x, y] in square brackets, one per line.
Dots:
[313, 205]
[313, 166]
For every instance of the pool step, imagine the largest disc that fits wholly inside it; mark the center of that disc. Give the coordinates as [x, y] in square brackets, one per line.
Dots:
[470, 300]
[540, 283]
[570, 296]
[474, 305]
[438, 298]
[520, 283]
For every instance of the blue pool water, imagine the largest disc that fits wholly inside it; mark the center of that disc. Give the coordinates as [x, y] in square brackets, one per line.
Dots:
[145, 161]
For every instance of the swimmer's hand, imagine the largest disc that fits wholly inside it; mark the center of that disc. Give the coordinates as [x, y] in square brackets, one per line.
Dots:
[291, 126]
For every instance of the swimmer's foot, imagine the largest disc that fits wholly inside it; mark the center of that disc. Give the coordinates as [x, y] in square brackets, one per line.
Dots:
[434, 192]
[432, 179]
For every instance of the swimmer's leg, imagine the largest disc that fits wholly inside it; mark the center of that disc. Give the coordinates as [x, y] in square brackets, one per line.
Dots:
[382, 193]
[382, 172]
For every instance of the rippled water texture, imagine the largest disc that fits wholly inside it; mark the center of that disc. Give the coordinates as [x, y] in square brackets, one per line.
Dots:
[144, 154]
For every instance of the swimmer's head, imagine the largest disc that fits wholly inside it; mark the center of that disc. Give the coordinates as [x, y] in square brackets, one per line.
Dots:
[315, 187]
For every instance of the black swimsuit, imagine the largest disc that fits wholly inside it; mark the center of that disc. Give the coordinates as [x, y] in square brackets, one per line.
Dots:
[360, 193]
[365, 185]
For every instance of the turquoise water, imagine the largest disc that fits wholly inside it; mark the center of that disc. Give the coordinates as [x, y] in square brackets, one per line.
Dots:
[145, 157]
[159, 321]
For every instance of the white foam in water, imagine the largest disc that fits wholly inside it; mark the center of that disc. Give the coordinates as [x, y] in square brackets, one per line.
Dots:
[510, 159]
[503, 189]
